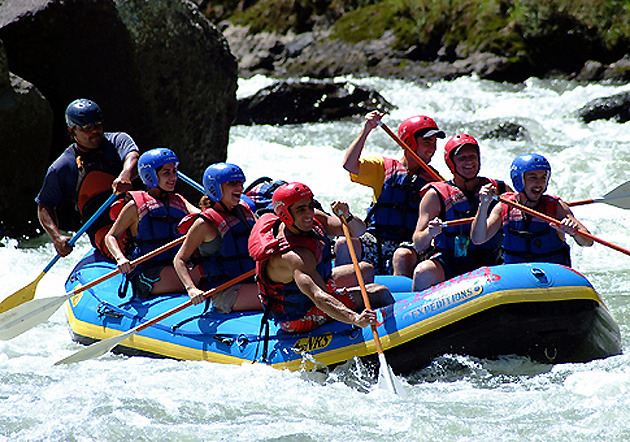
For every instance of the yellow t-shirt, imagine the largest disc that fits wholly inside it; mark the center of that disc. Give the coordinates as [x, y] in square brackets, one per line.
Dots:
[371, 174]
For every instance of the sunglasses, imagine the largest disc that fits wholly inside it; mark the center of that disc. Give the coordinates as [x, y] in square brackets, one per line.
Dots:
[90, 126]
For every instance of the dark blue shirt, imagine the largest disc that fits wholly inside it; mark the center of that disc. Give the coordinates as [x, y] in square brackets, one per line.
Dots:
[61, 179]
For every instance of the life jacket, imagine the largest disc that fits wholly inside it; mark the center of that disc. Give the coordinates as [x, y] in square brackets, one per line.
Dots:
[232, 260]
[157, 225]
[395, 214]
[456, 205]
[530, 239]
[285, 301]
[261, 191]
[97, 172]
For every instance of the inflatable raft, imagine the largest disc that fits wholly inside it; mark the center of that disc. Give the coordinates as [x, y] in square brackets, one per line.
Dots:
[547, 312]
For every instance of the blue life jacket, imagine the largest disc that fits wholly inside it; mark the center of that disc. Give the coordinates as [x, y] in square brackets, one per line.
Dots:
[157, 225]
[232, 260]
[395, 214]
[529, 239]
[286, 302]
[456, 205]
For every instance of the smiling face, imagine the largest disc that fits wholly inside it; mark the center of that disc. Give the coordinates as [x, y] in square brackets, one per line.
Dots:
[426, 148]
[167, 177]
[231, 193]
[466, 161]
[535, 184]
[303, 212]
[89, 137]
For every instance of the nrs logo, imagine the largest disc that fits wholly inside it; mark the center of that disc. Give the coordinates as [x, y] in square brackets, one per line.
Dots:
[312, 343]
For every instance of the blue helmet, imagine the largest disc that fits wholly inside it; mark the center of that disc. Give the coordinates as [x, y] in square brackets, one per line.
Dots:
[217, 174]
[526, 163]
[150, 161]
[82, 112]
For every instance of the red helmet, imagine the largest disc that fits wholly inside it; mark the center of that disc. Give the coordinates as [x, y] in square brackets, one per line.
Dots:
[454, 144]
[285, 196]
[411, 126]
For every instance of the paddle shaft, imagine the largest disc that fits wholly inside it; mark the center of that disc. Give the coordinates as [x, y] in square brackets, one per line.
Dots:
[135, 262]
[554, 221]
[434, 175]
[357, 270]
[83, 229]
[188, 303]
[190, 182]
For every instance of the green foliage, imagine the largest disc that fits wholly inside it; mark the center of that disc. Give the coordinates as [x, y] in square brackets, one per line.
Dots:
[504, 27]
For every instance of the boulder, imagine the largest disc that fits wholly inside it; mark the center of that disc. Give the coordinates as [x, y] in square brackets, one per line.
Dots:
[606, 108]
[303, 102]
[159, 70]
[26, 126]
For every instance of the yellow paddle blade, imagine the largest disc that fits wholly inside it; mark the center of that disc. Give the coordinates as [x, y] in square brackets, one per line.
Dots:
[23, 295]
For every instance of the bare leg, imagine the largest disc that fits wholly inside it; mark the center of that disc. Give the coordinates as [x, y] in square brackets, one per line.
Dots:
[247, 298]
[342, 252]
[345, 276]
[169, 281]
[403, 261]
[426, 274]
[378, 294]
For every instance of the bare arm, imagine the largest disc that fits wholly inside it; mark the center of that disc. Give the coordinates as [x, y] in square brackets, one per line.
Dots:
[333, 225]
[47, 218]
[570, 224]
[353, 153]
[127, 219]
[299, 265]
[201, 231]
[485, 225]
[122, 183]
[429, 225]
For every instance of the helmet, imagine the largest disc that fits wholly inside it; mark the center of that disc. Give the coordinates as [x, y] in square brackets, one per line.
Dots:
[411, 126]
[285, 196]
[527, 163]
[454, 145]
[150, 161]
[82, 112]
[217, 174]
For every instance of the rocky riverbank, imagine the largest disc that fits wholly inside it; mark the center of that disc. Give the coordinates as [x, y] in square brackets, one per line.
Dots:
[500, 40]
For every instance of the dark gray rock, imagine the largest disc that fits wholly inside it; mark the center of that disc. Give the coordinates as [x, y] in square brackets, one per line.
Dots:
[25, 127]
[292, 103]
[159, 70]
[507, 131]
[606, 108]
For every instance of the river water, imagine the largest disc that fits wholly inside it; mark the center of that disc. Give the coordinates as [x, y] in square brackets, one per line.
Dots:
[455, 398]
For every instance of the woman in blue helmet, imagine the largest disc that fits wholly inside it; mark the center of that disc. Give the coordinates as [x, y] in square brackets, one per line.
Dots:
[526, 238]
[216, 243]
[150, 218]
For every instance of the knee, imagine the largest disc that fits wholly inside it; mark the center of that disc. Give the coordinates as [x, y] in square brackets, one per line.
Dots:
[367, 270]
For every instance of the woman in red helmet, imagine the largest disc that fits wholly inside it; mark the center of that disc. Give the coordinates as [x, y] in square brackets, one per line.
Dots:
[448, 201]
[396, 188]
[293, 264]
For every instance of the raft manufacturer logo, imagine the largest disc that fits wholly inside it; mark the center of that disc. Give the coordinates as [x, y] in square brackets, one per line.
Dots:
[312, 343]
[76, 298]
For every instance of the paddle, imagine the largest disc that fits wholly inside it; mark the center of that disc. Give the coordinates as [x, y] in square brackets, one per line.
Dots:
[101, 347]
[26, 316]
[551, 220]
[190, 182]
[618, 197]
[27, 293]
[385, 372]
[432, 173]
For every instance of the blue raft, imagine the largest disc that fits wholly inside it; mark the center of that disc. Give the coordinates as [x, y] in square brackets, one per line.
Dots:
[547, 312]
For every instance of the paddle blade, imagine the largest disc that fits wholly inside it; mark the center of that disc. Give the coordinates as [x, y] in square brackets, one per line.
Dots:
[386, 378]
[24, 317]
[97, 349]
[23, 295]
[619, 196]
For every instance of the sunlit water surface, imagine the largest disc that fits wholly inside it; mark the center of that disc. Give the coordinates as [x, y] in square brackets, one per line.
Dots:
[456, 398]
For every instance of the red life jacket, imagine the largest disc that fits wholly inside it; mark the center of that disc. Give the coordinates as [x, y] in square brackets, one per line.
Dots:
[285, 301]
